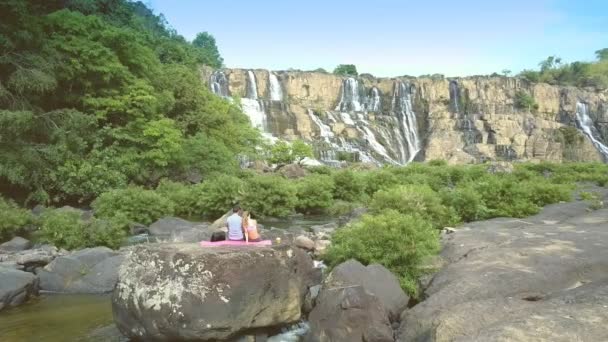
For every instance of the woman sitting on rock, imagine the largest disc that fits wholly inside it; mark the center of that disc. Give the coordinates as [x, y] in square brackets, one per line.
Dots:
[250, 228]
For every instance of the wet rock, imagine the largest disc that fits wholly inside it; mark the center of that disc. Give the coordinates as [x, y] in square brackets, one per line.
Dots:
[91, 270]
[184, 292]
[16, 244]
[138, 229]
[30, 259]
[304, 242]
[310, 299]
[324, 231]
[16, 287]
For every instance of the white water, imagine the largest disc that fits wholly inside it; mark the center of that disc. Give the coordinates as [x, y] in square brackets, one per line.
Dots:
[324, 130]
[252, 87]
[374, 105]
[586, 125]
[291, 334]
[349, 96]
[219, 83]
[276, 92]
[402, 105]
[347, 119]
[255, 112]
[376, 146]
[454, 97]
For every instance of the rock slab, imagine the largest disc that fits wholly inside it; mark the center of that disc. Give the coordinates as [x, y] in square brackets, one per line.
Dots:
[16, 287]
[188, 293]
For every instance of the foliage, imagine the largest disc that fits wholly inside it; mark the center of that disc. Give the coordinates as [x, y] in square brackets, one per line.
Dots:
[467, 203]
[13, 218]
[523, 100]
[349, 186]
[269, 196]
[216, 196]
[341, 208]
[315, 194]
[133, 203]
[209, 54]
[346, 70]
[182, 196]
[415, 199]
[65, 228]
[400, 242]
[285, 153]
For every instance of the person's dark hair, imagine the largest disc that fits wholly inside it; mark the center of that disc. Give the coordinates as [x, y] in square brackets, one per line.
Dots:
[236, 209]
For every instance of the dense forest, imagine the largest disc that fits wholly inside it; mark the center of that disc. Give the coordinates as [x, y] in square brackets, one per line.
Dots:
[98, 94]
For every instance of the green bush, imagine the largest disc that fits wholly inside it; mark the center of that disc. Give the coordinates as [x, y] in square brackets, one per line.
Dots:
[415, 199]
[12, 219]
[182, 195]
[135, 204]
[397, 241]
[467, 203]
[216, 196]
[380, 179]
[284, 153]
[65, 228]
[341, 208]
[349, 186]
[269, 196]
[315, 194]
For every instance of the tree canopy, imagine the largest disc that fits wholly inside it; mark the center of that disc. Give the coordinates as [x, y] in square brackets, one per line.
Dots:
[346, 70]
[98, 94]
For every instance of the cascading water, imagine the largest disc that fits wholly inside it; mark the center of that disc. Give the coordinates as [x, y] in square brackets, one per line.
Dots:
[252, 87]
[218, 82]
[454, 96]
[253, 107]
[374, 100]
[276, 92]
[586, 125]
[402, 105]
[370, 138]
[350, 100]
[324, 130]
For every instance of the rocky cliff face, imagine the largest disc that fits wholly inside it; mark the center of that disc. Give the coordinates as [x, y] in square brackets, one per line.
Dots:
[397, 120]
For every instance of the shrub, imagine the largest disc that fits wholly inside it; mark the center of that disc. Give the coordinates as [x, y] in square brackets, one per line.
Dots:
[284, 153]
[182, 195]
[467, 203]
[348, 186]
[12, 219]
[216, 196]
[523, 100]
[415, 199]
[346, 70]
[315, 194]
[379, 180]
[66, 229]
[397, 241]
[135, 204]
[341, 208]
[322, 169]
[269, 196]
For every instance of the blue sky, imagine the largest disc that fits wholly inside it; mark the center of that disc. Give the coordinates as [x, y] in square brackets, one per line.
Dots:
[392, 37]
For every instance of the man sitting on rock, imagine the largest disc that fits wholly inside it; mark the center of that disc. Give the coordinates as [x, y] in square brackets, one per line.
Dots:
[235, 225]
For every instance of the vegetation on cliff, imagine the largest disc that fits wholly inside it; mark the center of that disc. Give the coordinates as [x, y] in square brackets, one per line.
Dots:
[346, 70]
[580, 74]
[96, 95]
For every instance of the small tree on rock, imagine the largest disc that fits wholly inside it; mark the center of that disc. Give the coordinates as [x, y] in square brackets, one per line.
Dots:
[346, 70]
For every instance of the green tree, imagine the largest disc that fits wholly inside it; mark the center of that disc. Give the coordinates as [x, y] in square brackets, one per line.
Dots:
[602, 54]
[506, 72]
[346, 70]
[208, 51]
[523, 100]
[284, 153]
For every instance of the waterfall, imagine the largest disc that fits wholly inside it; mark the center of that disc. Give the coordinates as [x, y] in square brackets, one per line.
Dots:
[325, 131]
[218, 82]
[402, 105]
[374, 104]
[252, 87]
[255, 112]
[349, 96]
[276, 93]
[454, 96]
[586, 125]
[370, 138]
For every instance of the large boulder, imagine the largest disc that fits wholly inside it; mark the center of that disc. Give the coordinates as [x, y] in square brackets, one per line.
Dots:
[185, 292]
[16, 287]
[168, 226]
[91, 270]
[376, 280]
[293, 171]
[541, 278]
[348, 314]
[16, 244]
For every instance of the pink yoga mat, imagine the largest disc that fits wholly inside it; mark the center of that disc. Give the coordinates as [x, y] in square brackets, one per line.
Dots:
[234, 243]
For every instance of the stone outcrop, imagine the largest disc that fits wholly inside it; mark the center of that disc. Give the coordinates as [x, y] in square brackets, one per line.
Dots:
[91, 270]
[16, 244]
[30, 259]
[16, 287]
[396, 120]
[185, 292]
[542, 278]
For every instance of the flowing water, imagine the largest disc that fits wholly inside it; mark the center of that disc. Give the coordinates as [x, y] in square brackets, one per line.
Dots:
[586, 125]
[402, 105]
[276, 92]
[219, 83]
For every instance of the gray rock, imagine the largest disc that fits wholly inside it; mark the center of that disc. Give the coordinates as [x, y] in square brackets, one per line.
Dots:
[32, 258]
[293, 171]
[184, 292]
[168, 226]
[519, 279]
[321, 247]
[348, 314]
[376, 280]
[274, 233]
[310, 299]
[38, 210]
[324, 231]
[192, 235]
[304, 242]
[138, 229]
[16, 244]
[16, 287]
[91, 270]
